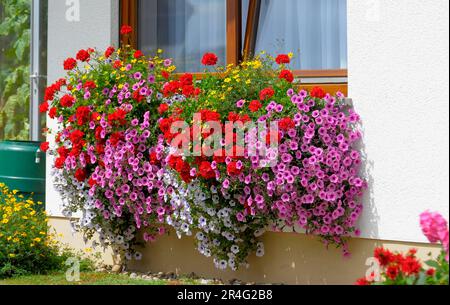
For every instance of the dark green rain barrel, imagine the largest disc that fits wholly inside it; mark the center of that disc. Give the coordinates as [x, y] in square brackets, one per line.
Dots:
[22, 168]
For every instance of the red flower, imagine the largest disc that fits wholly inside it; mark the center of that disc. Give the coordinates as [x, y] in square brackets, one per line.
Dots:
[266, 94]
[431, 272]
[188, 90]
[165, 74]
[89, 85]
[117, 64]
[362, 282]
[163, 108]
[209, 116]
[283, 59]
[83, 55]
[69, 64]
[92, 182]
[254, 106]
[100, 148]
[76, 136]
[137, 96]
[83, 113]
[206, 170]
[286, 124]
[186, 79]
[67, 101]
[63, 152]
[287, 75]
[126, 29]
[392, 272]
[165, 124]
[44, 146]
[232, 169]
[154, 158]
[115, 138]
[52, 113]
[59, 162]
[209, 59]
[109, 51]
[318, 92]
[43, 107]
[118, 117]
[275, 135]
[80, 175]
[384, 257]
[411, 266]
[138, 54]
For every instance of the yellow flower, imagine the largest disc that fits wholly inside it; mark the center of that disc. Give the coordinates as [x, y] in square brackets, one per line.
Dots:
[12, 255]
[5, 221]
[227, 80]
[291, 55]
[160, 51]
[37, 239]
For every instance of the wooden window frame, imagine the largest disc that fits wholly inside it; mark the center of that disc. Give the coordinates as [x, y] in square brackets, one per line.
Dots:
[236, 50]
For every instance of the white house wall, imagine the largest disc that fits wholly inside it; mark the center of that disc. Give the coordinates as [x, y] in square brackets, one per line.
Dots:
[398, 79]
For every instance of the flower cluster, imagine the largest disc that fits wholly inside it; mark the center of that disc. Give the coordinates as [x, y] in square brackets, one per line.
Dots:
[109, 159]
[303, 174]
[406, 269]
[224, 157]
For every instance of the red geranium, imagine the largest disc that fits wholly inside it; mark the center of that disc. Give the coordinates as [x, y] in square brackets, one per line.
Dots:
[286, 124]
[392, 272]
[283, 59]
[254, 106]
[83, 55]
[43, 107]
[89, 85]
[138, 54]
[384, 257]
[209, 116]
[165, 74]
[109, 51]
[118, 117]
[206, 170]
[209, 59]
[266, 94]
[186, 79]
[59, 162]
[154, 158]
[44, 146]
[163, 108]
[126, 29]
[232, 169]
[410, 265]
[76, 136]
[117, 64]
[318, 92]
[287, 75]
[115, 138]
[67, 101]
[82, 114]
[80, 175]
[69, 64]
[52, 113]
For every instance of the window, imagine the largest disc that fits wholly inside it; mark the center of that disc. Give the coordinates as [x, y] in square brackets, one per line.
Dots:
[314, 30]
[184, 29]
[22, 33]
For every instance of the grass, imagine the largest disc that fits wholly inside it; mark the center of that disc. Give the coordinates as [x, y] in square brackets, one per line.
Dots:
[89, 278]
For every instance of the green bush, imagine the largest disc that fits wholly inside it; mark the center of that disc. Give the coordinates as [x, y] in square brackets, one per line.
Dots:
[26, 247]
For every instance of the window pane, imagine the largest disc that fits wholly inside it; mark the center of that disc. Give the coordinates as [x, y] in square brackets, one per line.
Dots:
[314, 30]
[184, 29]
[14, 69]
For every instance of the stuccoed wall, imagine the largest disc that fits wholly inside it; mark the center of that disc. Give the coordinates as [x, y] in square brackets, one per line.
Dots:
[75, 25]
[398, 79]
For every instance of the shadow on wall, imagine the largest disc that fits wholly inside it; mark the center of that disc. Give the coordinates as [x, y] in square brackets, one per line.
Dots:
[290, 258]
[368, 222]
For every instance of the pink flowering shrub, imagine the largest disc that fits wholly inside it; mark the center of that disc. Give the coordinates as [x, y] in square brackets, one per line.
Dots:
[435, 228]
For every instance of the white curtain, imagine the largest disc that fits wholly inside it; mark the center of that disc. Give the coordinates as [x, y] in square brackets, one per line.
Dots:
[315, 30]
[184, 29]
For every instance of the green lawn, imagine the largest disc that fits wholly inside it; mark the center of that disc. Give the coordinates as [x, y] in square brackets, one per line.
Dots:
[90, 278]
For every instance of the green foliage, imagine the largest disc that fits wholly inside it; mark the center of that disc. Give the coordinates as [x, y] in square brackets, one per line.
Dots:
[14, 68]
[26, 247]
